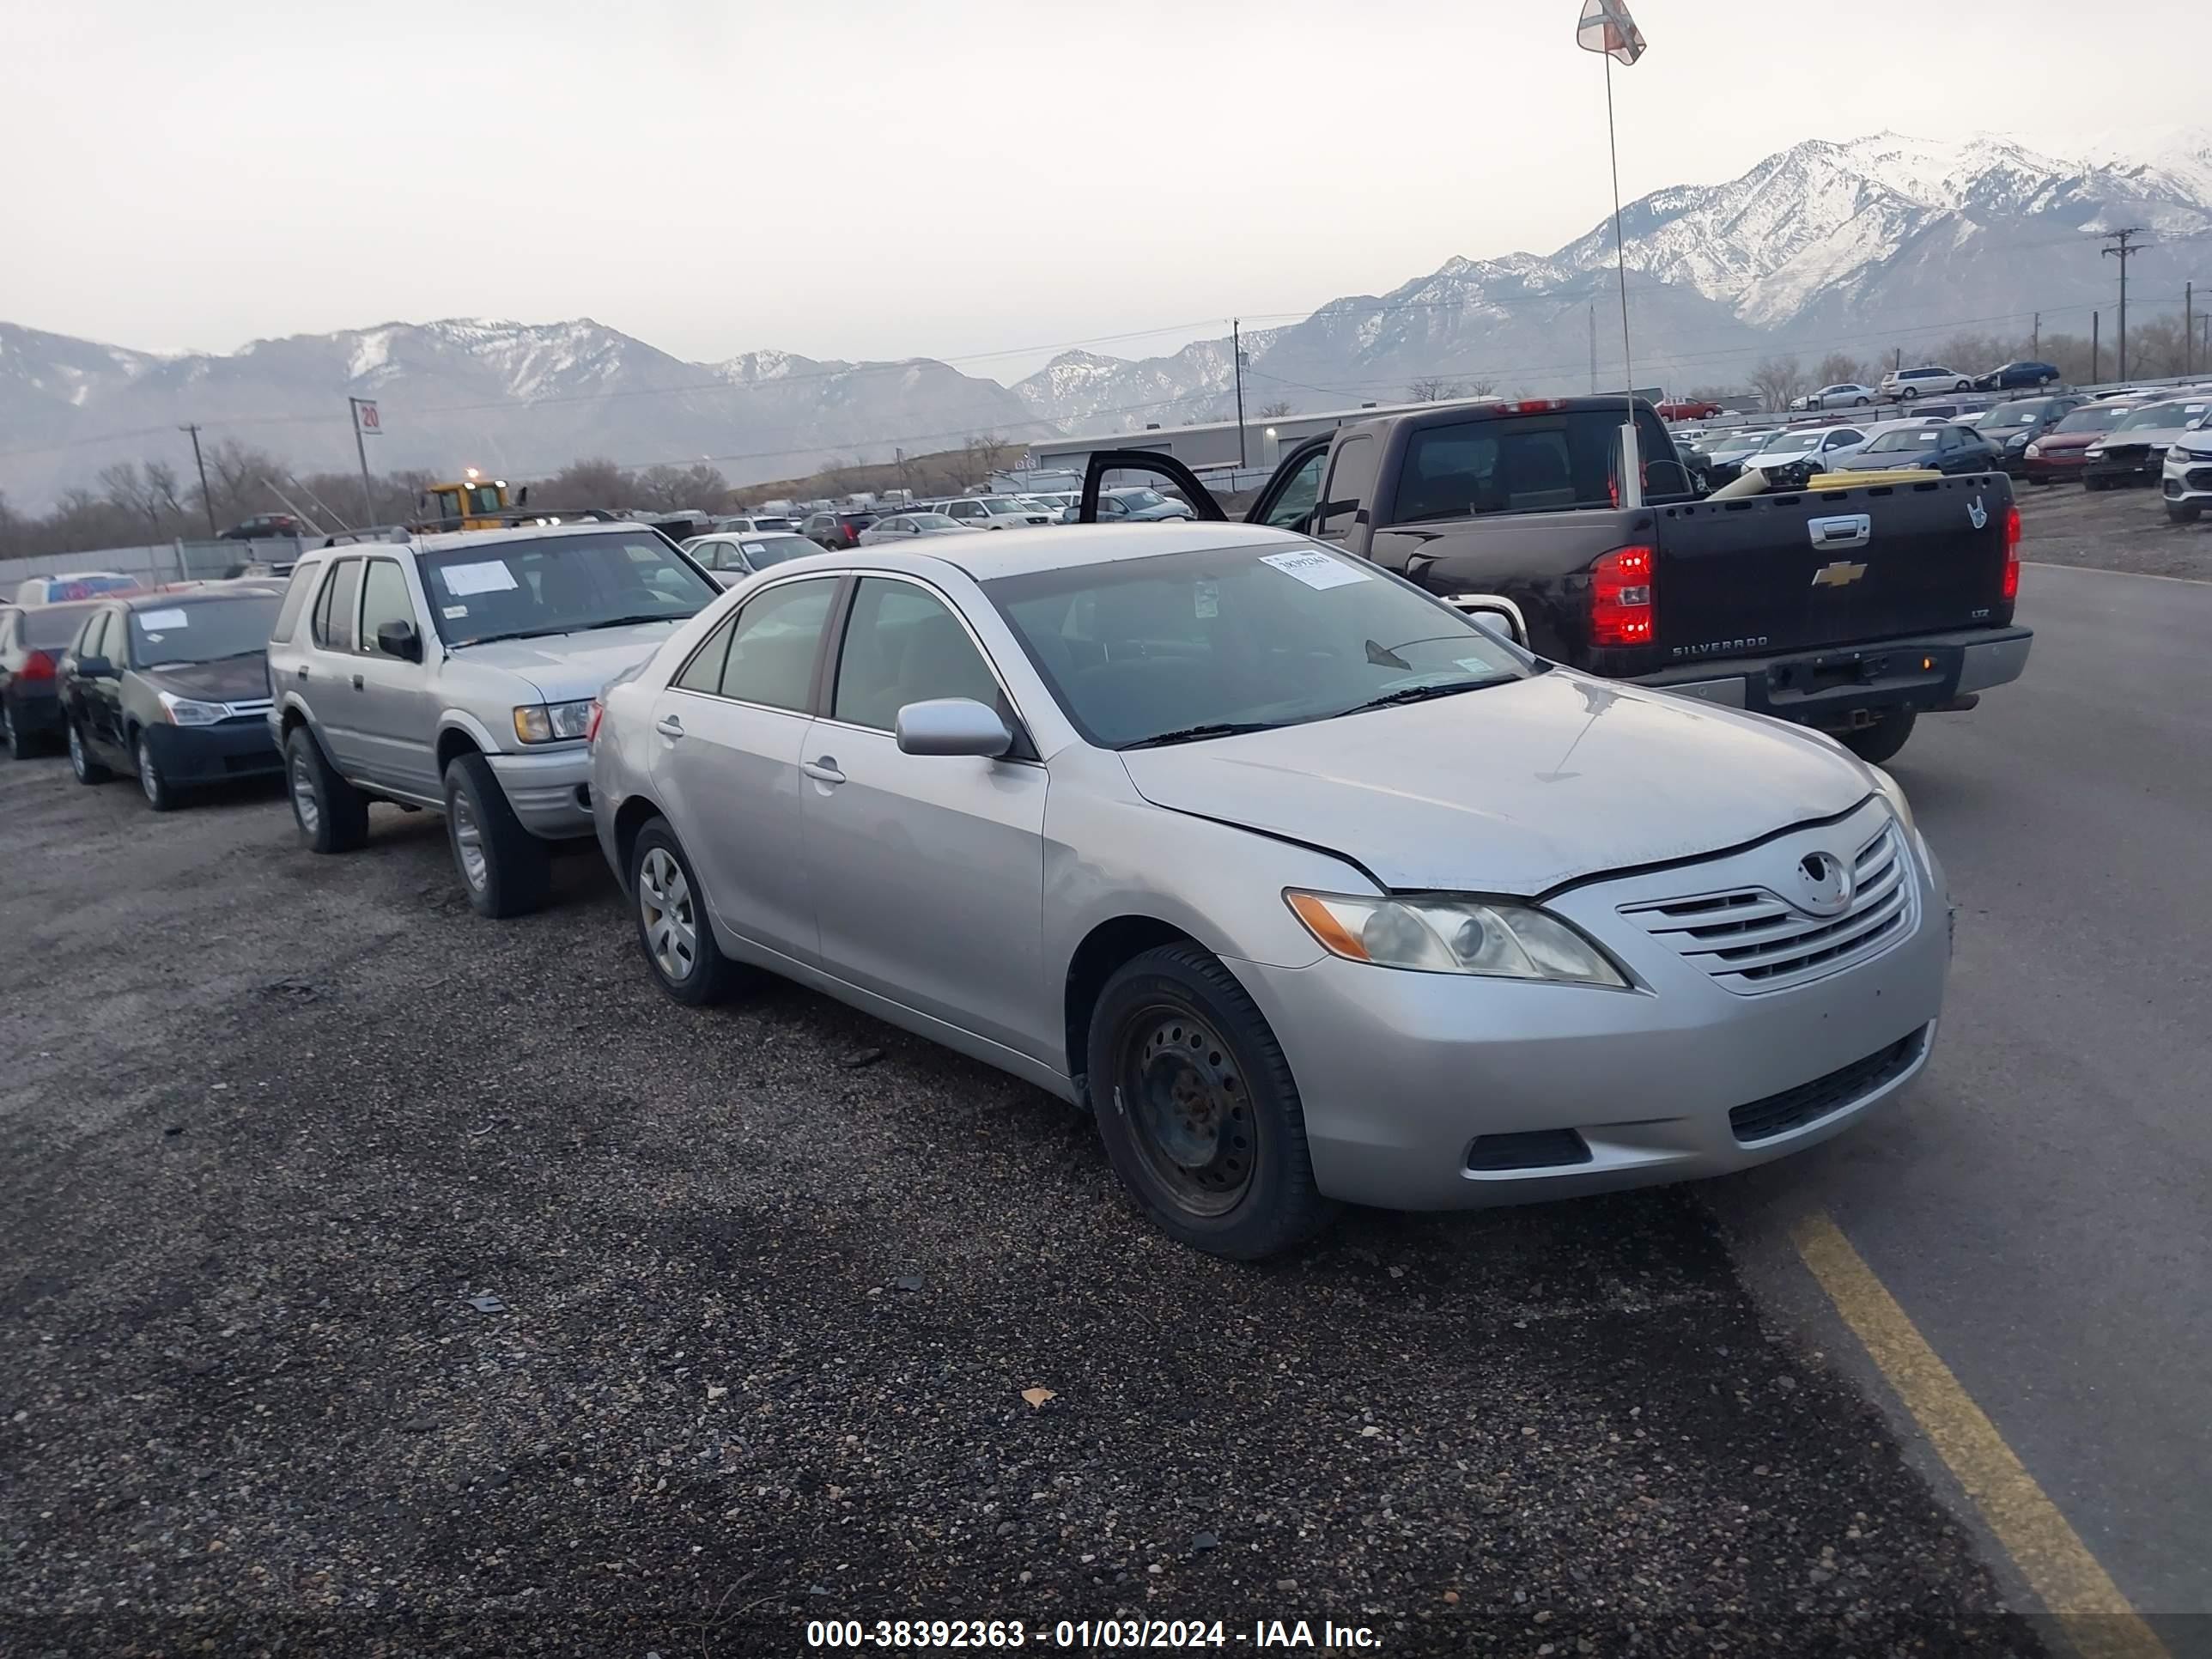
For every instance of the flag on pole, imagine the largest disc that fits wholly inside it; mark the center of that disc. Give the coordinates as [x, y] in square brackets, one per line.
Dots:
[1606, 27]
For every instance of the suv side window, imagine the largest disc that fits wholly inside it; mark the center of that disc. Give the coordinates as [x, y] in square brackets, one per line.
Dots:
[339, 607]
[385, 598]
[774, 646]
[903, 646]
[1351, 481]
[295, 601]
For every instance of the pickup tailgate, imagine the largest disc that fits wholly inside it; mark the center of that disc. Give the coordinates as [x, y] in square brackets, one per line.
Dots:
[1836, 566]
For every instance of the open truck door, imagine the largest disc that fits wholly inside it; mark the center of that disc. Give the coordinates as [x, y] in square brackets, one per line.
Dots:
[1177, 476]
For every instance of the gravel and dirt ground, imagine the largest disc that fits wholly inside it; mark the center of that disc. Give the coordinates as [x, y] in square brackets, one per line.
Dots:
[376, 1278]
[2112, 530]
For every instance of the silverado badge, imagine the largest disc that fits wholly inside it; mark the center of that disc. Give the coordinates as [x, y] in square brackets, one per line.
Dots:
[1842, 574]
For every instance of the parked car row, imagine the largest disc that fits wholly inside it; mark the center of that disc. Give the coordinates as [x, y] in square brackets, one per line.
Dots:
[1124, 813]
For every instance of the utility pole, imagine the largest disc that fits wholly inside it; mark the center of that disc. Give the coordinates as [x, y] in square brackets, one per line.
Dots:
[2035, 336]
[2095, 349]
[1237, 350]
[368, 495]
[1593, 334]
[2121, 248]
[207, 500]
[2189, 328]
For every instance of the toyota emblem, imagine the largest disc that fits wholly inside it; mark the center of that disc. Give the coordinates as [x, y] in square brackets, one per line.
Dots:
[1825, 884]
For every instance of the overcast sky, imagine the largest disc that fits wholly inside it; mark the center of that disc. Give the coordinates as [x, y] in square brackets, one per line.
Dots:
[849, 179]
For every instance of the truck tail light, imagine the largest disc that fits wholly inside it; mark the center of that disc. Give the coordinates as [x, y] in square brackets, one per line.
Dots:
[37, 666]
[2011, 589]
[1620, 596]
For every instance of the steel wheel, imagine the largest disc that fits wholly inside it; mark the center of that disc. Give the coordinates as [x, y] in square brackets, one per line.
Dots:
[671, 925]
[1190, 1109]
[79, 763]
[305, 806]
[468, 841]
[149, 776]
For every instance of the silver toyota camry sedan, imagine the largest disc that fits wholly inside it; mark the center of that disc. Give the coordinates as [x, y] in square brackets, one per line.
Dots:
[1310, 888]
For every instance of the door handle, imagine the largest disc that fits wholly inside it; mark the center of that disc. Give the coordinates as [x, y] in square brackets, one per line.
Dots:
[1846, 530]
[669, 726]
[303, 670]
[356, 681]
[822, 771]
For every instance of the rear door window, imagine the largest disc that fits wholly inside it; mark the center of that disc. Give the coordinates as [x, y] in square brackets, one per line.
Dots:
[339, 607]
[1351, 483]
[773, 650]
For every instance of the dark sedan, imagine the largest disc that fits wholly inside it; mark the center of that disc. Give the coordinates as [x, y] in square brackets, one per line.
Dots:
[1931, 446]
[174, 688]
[2013, 377]
[2012, 427]
[32, 641]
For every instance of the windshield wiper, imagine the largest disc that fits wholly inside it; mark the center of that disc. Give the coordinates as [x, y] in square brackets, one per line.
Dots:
[1211, 729]
[1423, 693]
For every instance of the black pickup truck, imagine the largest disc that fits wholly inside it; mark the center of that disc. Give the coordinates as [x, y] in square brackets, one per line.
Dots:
[1853, 609]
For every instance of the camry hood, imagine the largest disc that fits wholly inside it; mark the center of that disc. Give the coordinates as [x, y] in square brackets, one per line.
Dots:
[1513, 789]
[570, 668]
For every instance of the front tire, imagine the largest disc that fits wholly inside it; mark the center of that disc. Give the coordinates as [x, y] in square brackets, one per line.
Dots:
[2181, 512]
[333, 816]
[1198, 1110]
[88, 769]
[2096, 483]
[19, 743]
[159, 797]
[1878, 742]
[674, 932]
[1859, 402]
[506, 870]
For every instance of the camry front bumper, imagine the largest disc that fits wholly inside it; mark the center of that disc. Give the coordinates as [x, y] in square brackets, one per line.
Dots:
[1444, 1091]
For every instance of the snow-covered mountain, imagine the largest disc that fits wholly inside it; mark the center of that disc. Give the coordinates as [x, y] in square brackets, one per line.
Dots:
[516, 398]
[1876, 241]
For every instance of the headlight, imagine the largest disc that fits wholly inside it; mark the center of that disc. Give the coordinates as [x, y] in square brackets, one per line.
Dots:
[540, 722]
[1452, 936]
[183, 711]
[2016, 440]
[1894, 793]
[2034, 450]
[2092, 451]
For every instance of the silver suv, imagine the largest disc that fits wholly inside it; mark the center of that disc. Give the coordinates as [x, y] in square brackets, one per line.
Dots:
[458, 673]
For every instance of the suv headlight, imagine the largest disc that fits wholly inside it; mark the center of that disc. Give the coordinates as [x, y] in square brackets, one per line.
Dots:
[1452, 936]
[540, 722]
[2092, 451]
[184, 711]
[2034, 450]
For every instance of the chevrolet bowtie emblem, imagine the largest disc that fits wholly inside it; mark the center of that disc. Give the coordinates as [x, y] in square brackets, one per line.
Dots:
[1837, 576]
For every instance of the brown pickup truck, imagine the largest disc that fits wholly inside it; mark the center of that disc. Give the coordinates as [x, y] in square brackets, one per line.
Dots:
[1852, 608]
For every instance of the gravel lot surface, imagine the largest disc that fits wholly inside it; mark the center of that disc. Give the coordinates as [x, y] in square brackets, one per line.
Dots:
[2112, 530]
[374, 1278]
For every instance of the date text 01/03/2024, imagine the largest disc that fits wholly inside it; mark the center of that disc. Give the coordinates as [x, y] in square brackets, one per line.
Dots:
[1085, 1635]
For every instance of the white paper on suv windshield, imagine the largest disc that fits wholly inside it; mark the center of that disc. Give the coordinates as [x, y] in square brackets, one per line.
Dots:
[1315, 569]
[490, 577]
[153, 622]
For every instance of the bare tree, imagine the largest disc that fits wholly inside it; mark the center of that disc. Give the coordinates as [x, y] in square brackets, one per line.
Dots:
[128, 492]
[1481, 388]
[1776, 380]
[595, 481]
[1839, 367]
[1430, 389]
[1276, 410]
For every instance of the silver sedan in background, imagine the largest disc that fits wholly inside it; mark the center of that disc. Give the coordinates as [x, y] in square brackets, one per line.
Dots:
[1309, 886]
[912, 527]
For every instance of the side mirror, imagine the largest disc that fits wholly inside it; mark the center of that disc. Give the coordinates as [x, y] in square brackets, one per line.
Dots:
[952, 725]
[98, 668]
[399, 639]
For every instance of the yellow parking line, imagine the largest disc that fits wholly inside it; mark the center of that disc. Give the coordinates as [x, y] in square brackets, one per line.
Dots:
[2051, 1555]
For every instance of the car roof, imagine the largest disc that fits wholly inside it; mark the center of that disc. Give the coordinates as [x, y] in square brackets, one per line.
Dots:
[1020, 552]
[447, 541]
[265, 589]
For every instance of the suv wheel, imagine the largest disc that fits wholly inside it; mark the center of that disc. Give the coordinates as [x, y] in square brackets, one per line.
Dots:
[88, 769]
[151, 783]
[2181, 512]
[672, 929]
[1198, 1110]
[332, 815]
[505, 868]
[19, 745]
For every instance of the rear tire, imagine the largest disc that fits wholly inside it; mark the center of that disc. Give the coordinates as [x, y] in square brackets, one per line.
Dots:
[1878, 742]
[505, 869]
[674, 932]
[2096, 483]
[333, 816]
[88, 769]
[1198, 1110]
[19, 745]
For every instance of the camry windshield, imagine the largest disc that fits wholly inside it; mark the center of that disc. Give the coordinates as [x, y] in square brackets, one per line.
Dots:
[512, 590]
[1188, 646]
[775, 549]
[202, 631]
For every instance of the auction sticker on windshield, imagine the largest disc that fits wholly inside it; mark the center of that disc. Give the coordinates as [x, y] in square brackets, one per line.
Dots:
[154, 621]
[1314, 569]
[490, 577]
